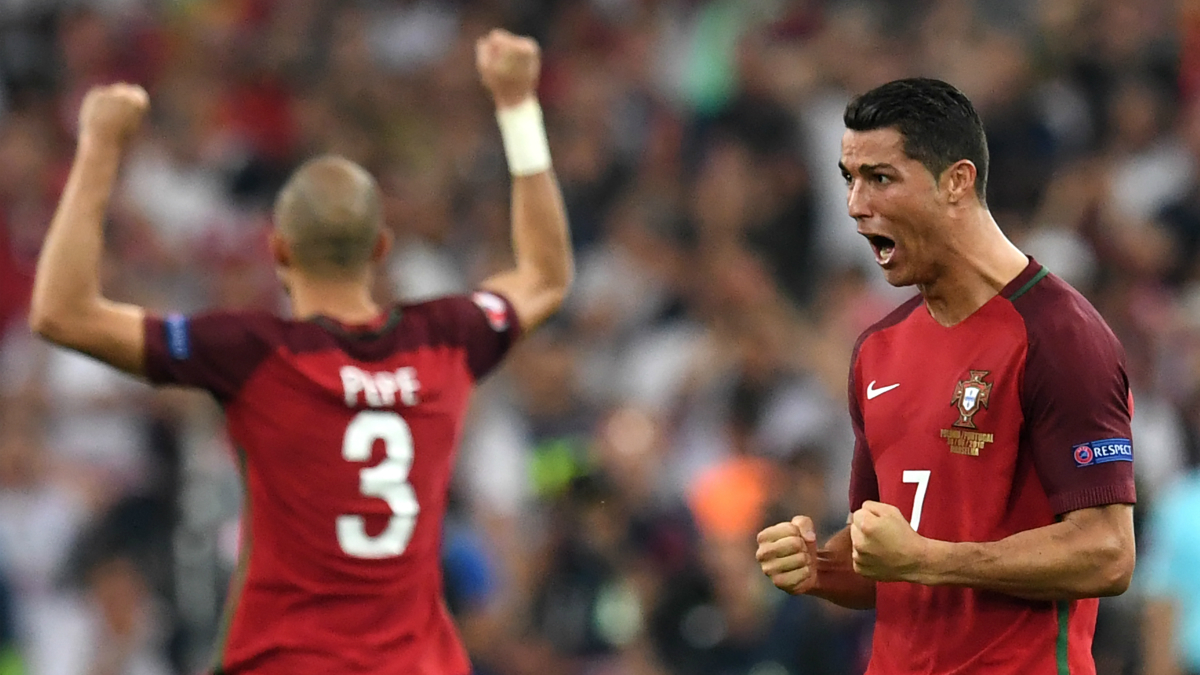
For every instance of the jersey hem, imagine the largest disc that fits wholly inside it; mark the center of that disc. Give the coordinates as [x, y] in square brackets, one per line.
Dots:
[1094, 496]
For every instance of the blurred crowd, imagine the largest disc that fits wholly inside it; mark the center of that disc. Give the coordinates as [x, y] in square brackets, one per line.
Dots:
[613, 475]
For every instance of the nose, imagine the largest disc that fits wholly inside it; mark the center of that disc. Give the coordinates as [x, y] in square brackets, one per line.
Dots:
[856, 200]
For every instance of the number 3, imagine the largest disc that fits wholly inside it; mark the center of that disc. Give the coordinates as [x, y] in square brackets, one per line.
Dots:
[921, 478]
[387, 480]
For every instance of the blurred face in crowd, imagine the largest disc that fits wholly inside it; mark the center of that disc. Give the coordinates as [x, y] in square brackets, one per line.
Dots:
[897, 203]
[120, 591]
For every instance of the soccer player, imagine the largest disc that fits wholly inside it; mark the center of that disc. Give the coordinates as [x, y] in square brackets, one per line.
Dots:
[345, 416]
[992, 481]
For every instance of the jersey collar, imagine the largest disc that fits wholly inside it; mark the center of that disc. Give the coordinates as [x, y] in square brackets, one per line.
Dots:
[375, 328]
[1033, 273]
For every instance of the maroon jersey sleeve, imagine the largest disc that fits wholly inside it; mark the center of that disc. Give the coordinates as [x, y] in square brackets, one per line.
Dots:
[864, 485]
[483, 323]
[215, 351]
[1076, 400]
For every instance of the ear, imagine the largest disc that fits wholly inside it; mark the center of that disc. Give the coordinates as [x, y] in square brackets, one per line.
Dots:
[383, 246]
[958, 181]
[281, 251]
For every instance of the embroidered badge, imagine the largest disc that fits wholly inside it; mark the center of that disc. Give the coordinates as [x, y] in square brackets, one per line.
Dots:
[1102, 452]
[178, 344]
[970, 396]
[493, 308]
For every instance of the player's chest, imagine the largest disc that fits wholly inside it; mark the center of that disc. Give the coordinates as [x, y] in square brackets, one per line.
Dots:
[943, 397]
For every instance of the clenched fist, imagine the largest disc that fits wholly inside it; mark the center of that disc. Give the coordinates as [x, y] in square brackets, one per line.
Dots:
[509, 66]
[885, 547]
[787, 553]
[111, 113]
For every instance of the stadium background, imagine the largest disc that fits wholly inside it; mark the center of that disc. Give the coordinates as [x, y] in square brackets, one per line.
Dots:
[613, 475]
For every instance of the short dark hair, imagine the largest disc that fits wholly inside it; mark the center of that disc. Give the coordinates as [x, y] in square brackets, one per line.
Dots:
[937, 122]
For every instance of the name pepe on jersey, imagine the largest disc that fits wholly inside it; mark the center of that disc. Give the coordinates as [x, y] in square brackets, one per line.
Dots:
[339, 560]
[372, 527]
[380, 389]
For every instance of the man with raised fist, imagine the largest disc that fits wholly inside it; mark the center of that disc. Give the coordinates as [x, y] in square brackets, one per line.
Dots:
[346, 415]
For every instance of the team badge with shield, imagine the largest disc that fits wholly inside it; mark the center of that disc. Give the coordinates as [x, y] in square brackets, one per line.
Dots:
[969, 397]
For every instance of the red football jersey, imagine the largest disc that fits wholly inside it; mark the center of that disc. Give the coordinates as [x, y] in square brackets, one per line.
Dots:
[346, 437]
[996, 425]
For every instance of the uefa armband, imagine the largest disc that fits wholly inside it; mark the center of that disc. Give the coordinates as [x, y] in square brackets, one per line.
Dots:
[524, 134]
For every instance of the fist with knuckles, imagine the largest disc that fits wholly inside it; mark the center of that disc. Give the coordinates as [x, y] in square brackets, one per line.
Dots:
[884, 548]
[112, 113]
[509, 66]
[787, 553]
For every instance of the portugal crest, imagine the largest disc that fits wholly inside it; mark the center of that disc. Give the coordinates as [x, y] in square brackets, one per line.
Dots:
[969, 396]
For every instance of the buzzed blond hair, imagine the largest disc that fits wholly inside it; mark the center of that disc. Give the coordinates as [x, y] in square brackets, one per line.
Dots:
[331, 214]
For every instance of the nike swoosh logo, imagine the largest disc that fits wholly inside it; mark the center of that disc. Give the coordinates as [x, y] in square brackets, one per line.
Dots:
[872, 392]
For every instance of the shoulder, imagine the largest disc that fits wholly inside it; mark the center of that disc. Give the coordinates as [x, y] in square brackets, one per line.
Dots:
[453, 309]
[262, 324]
[249, 321]
[483, 324]
[894, 318]
[1059, 320]
[258, 331]
[455, 318]
[1075, 367]
[179, 333]
[435, 311]
[211, 350]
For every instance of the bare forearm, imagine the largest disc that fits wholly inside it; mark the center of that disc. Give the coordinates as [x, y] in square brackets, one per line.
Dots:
[540, 238]
[542, 247]
[68, 271]
[68, 308]
[1063, 561]
[837, 581]
[509, 66]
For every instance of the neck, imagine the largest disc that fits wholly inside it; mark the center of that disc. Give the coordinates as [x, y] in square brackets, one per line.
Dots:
[345, 300]
[978, 264]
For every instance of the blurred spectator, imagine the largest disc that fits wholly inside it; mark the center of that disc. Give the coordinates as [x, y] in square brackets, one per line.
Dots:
[113, 627]
[40, 517]
[1171, 628]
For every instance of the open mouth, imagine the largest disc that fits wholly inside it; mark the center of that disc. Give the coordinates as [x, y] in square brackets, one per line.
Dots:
[883, 246]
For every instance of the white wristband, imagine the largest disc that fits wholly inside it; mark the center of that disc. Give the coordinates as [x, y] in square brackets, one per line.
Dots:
[524, 135]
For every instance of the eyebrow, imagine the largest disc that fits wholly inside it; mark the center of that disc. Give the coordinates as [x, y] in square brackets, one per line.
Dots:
[867, 168]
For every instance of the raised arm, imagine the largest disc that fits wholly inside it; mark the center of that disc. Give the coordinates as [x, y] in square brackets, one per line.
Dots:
[538, 284]
[68, 308]
[1089, 553]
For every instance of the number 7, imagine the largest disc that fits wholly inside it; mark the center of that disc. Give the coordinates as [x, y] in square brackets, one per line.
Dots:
[921, 478]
